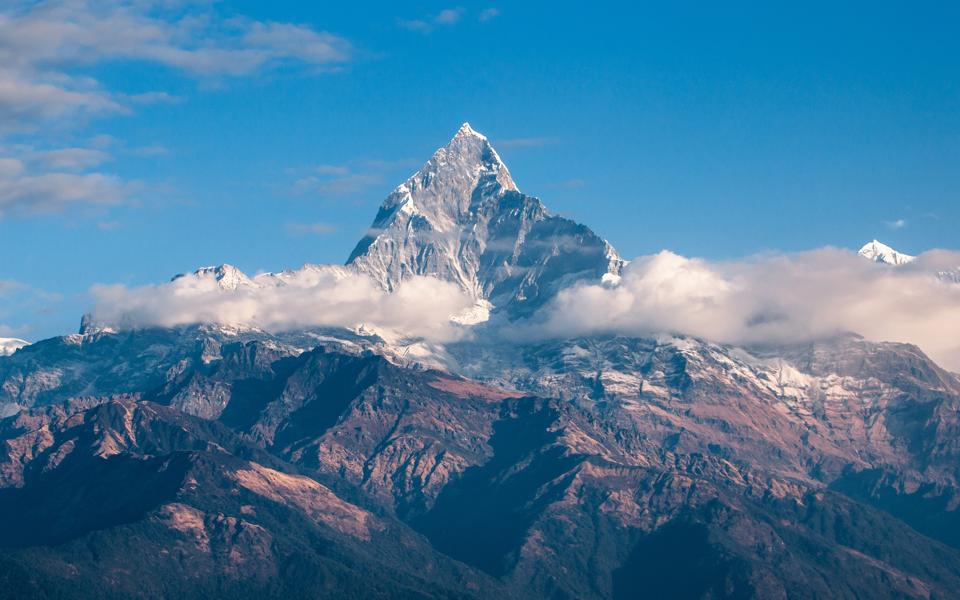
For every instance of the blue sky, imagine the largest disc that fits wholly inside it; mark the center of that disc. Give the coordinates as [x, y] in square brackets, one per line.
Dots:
[142, 140]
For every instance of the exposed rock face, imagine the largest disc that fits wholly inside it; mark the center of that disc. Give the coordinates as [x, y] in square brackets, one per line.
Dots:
[136, 499]
[657, 444]
[461, 218]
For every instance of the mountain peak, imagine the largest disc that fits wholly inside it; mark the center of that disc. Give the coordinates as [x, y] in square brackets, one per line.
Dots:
[468, 155]
[877, 251]
[461, 218]
[467, 131]
[227, 277]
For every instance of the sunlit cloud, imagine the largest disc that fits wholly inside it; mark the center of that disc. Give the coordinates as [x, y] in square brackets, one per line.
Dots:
[310, 297]
[775, 299]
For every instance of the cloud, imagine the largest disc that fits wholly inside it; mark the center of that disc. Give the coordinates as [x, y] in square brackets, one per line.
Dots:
[23, 191]
[897, 224]
[154, 150]
[311, 297]
[568, 184]
[46, 49]
[17, 298]
[310, 228]
[448, 16]
[29, 97]
[148, 98]
[332, 169]
[774, 299]
[73, 158]
[444, 18]
[488, 14]
[418, 25]
[50, 51]
[8, 286]
[529, 142]
[344, 180]
[337, 186]
[48, 181]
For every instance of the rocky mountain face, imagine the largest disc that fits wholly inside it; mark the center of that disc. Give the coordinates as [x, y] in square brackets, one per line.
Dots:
[462, 218]
[208, 461]
[515, 489]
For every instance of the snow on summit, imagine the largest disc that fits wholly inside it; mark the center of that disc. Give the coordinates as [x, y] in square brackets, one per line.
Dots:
[881, 253]
[462, 218]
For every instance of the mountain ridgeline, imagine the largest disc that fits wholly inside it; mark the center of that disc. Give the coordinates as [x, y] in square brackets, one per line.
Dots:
[205, 461]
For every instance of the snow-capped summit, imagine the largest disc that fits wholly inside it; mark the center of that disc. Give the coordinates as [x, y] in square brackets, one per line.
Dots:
[10, 345]
[441, 192]
[462, 218]
[466, 130]
[881, 253]
[228, 277]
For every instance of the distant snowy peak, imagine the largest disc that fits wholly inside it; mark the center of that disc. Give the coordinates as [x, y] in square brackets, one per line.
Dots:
[881, 253]
[10, 345]
[230, 278]
[463, 219]
[227, 277]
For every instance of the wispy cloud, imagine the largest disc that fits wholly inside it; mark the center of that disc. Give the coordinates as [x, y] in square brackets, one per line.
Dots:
[332, 169]
[896, 224]
[25, 191]
[108, 225]
[46, 49]
[310, 228]
[444, 18]
[341, 185]
[152, 150]
[569, 184]
[73, 158]
[448, 16]
[345, 180]
[526, 142]
[17, 298]
[488, 14]
[8, 286]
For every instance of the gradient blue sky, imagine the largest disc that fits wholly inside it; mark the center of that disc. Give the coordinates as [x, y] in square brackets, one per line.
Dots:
[222, 133]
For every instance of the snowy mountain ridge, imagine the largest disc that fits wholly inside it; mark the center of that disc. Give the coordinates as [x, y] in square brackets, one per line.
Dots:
[881, 253]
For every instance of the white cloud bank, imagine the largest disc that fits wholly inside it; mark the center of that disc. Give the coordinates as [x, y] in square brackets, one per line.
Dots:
[770, 299]
[782, 298]
[315, 296]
